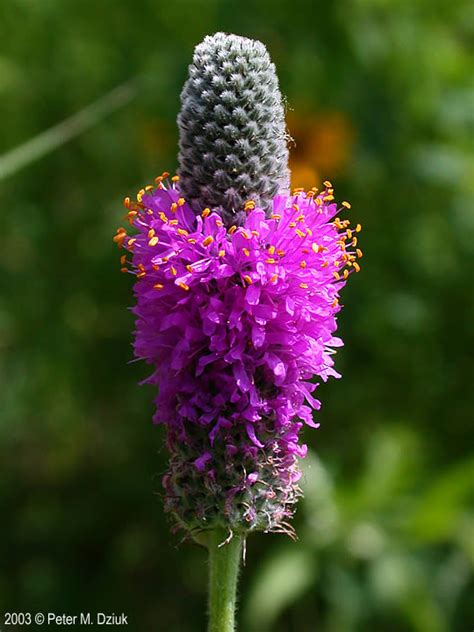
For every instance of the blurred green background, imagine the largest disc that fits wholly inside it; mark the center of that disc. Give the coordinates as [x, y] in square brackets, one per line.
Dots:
[380, 101]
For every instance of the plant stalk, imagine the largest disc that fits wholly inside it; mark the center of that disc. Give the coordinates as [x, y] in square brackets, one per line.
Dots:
[224, 563]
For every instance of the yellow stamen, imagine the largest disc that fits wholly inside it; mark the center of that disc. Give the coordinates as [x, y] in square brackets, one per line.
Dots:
[246, 252]
[303, 264]
[174, 207]
[358, 228]
[271, 250]
[336, 275]
[153, 241]
[189, 268]
[158, 286]
[359, 253]
[273, 278]
[300, 233]
[247, 279]
[327, 184]
[346, 204]
[206, 212]
[183, 286]
[131, 215]
[182, 232]
[356, 266]
[120, 236]
[208, 241]
[232, 230]
[304, 286]
[181, 201]
[175, 179]
[221, 253]
[173, 270]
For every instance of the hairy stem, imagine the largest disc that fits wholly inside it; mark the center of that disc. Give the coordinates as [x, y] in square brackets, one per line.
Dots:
[224, 562]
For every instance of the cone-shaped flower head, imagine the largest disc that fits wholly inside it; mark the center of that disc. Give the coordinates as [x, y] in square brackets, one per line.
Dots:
[236, 319]
[232, 134]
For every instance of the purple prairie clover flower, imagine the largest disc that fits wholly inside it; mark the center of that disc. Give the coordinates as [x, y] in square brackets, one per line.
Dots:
[237, 292]
[236, 321]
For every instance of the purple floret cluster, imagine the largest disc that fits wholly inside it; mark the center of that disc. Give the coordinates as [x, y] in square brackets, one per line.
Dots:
[236, 321]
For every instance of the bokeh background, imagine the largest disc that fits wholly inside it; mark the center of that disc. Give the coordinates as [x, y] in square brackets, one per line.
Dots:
[380, 100]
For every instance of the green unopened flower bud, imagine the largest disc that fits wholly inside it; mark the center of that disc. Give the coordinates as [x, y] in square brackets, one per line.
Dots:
[233, 139]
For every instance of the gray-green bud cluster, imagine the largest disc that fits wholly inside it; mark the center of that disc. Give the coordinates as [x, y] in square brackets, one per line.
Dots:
[232, 133]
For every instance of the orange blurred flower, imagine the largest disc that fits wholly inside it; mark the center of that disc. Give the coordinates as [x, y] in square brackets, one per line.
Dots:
[323, 146]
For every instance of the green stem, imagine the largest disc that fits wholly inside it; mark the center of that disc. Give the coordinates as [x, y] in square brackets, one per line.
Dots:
[224, 562]
[55, 136]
